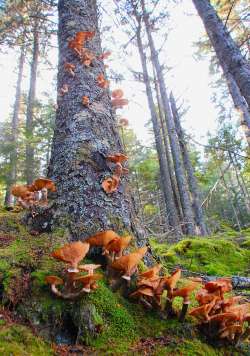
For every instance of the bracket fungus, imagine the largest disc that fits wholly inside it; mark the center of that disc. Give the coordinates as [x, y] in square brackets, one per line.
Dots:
[101, 81]
[85, 100]
[111, 184]
[77, 43]
[63, 90]
[69, 67]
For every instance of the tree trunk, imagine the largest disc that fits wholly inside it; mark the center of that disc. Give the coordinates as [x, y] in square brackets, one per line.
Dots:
[84, 136]
[193, 185]
[165, 176]
[176, 153]
[239, 103]
[229, 55]
[167, 150]
[14, 129]
[30, 164]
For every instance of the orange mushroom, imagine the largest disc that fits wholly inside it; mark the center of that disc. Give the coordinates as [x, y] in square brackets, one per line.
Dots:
[88, 268]
[42, 183]
[69, 67]
[128, 264]
[123, 122]
[87, 57]
[118, 103]
[85, 100]
[117, 158]
[117, 94]
[78, 41]
[72, 253]
[231, 332]
[151, 273]
[88, 281]
[142, 292]
[22, 191]
[111, 184]
[203, 311]
[63, 90]
[104, 55]
[118, 245]
[102, 238]
[102, 82]
[185, 294]
[54, 281]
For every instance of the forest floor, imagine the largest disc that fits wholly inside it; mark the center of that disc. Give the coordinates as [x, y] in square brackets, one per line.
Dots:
[33, 322]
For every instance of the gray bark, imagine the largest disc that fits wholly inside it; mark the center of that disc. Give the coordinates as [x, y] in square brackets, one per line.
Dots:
[165, 176]
[29, 163]
[193, 185]
[239, 103]
[229, 55]
[14, 129]
[84, 136]
[167, 151]
[176, 153]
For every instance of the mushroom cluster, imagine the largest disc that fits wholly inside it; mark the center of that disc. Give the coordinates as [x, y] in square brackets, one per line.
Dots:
[151, 287]
[110, 184]
[221, 317]
[33, 194]
[75, 284]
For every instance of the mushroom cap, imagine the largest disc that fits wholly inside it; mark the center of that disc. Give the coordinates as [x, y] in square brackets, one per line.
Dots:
[204, 310]
[152, 272]
[102, 238]
[41, 183]
[185, 291]
[173, 279]
[54, 280]
[203, 296]
[117, 93]
[118, 244]
[71, 253]
[142, 291]
[229, 316]
[89, 278]
[110, 184]
[68, 65]
[117, 158]
[21, 191]
[88, 267]
[150, 282]
[119, 102]
[222, 283]
[128, 262]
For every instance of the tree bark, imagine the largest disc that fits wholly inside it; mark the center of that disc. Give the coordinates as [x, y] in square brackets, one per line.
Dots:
[176, 153]
[239, 103]
[84, 136]
[193, 185]
[14, 129]
[167, 151]
[165, 176]
[229, 55]
[30, 164]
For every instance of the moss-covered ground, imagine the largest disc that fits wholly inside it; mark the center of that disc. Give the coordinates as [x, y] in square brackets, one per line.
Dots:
[121, 327]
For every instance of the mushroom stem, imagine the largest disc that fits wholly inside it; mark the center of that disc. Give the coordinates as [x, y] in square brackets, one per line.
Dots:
[169, 308]
[183, 311]
[56, 291]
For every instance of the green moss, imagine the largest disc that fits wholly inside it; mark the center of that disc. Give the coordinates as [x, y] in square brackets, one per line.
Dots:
[17, 340]
[213, 256]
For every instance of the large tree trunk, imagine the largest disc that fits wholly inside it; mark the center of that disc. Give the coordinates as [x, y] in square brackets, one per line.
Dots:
[84, 136]
[228, 53]
[165, 176]
[193, 185]
[30, 164]
[176, 153]
[14, 129]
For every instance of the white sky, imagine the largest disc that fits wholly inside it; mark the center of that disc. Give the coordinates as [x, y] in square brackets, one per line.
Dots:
[189, 79]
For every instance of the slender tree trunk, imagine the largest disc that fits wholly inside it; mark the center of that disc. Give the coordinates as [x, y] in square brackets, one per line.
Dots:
[239, 103]
[165, 176]
[167, 150]
[84, 136]
[193, 185]
[14, 129]
[226, 49]
[30, 164]
[176, 153]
